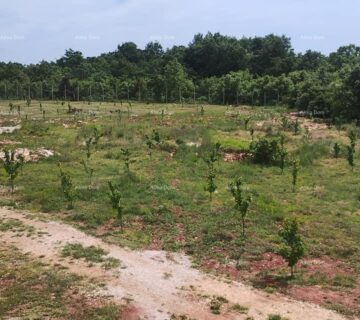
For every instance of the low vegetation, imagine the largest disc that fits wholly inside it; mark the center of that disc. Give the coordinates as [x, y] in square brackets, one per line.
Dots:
[173, 188]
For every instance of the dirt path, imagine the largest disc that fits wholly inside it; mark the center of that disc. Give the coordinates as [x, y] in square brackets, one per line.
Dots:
[159, 284]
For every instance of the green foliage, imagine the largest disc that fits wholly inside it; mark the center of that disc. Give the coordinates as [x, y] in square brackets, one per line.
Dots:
[292, 249]
[78, 251]
[115, 200]
[67, 187]
[295, 172]
[297, 127]
[276, 317]
[246, 122]
[150, 144]
[307, 152]
[216, 304]
[282, 153]
[242, 202]
[88, 144]
[337, 150]
[351, 149]
[126, 154]
[285, 125]
[153, 141]
[92, 140]
[12, 166]
[211, 186]
[88, 170]
[252, 131]
[265, 151]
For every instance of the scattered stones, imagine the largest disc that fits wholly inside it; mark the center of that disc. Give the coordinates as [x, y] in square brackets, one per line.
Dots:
[31, 155]
[236, 156]
[8, 142]
[193, 144]
[9, 129]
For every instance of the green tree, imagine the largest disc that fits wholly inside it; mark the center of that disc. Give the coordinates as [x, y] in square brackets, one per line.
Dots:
[67, 187]
[211, 186]
[115, 199]
[12, 166]
[176, 80]
[292, 249]
[351, 149]
[295, 172]
[242, 202]
[282, 153]
[88, 170]
[337, 150]
[126, 153]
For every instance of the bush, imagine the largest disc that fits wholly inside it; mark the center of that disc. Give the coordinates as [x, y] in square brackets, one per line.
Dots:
[265, 151]
[308, 152]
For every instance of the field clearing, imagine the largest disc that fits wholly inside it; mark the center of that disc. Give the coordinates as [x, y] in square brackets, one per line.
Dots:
[165, 205]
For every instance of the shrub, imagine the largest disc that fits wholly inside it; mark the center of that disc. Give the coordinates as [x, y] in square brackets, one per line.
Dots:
[242, 202]
[67, 187]
[351, 149]
[292, 249]
[295, 171]
[211, 186]
[264, 151]
[282, 153]
[115, 199]
[12, 166]
[127, 158]
[337, 150]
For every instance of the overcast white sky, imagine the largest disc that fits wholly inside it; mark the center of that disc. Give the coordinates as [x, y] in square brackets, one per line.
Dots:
[32, 30]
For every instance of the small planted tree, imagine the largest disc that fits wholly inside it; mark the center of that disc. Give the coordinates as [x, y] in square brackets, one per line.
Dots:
[351, 157]
[12, 166]
[211, 186]
[88, 144]
[252, 131]
[246, 122]
[296, 127]
[115, 199]
[337, 150]
[351, 149]
[215, 154]
[338, 123]
[292, 249]
[150, 144]
[295, 172]
[156, 136]
[265, 151]
[285, 122]
[282, 153]
[242, 202]
[92, 140]
[89, 171]
[127, 158]
[67, 187]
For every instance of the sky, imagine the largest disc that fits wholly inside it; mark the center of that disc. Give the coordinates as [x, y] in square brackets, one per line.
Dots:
[35, 30]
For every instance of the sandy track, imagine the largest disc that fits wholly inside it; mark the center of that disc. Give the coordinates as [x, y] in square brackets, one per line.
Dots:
[158, 283]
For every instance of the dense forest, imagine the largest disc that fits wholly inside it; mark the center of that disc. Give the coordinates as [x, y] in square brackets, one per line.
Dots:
[213, 68]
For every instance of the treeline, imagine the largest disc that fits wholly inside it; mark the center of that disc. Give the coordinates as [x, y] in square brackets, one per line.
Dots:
[213, 68]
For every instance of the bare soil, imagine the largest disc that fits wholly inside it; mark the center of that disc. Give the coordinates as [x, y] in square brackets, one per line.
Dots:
[158, 284]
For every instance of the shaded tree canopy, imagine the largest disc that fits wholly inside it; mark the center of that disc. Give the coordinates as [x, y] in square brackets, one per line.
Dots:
[213, 68]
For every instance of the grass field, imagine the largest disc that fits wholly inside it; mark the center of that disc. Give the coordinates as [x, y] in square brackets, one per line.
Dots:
[163, 197]
[31, 289]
